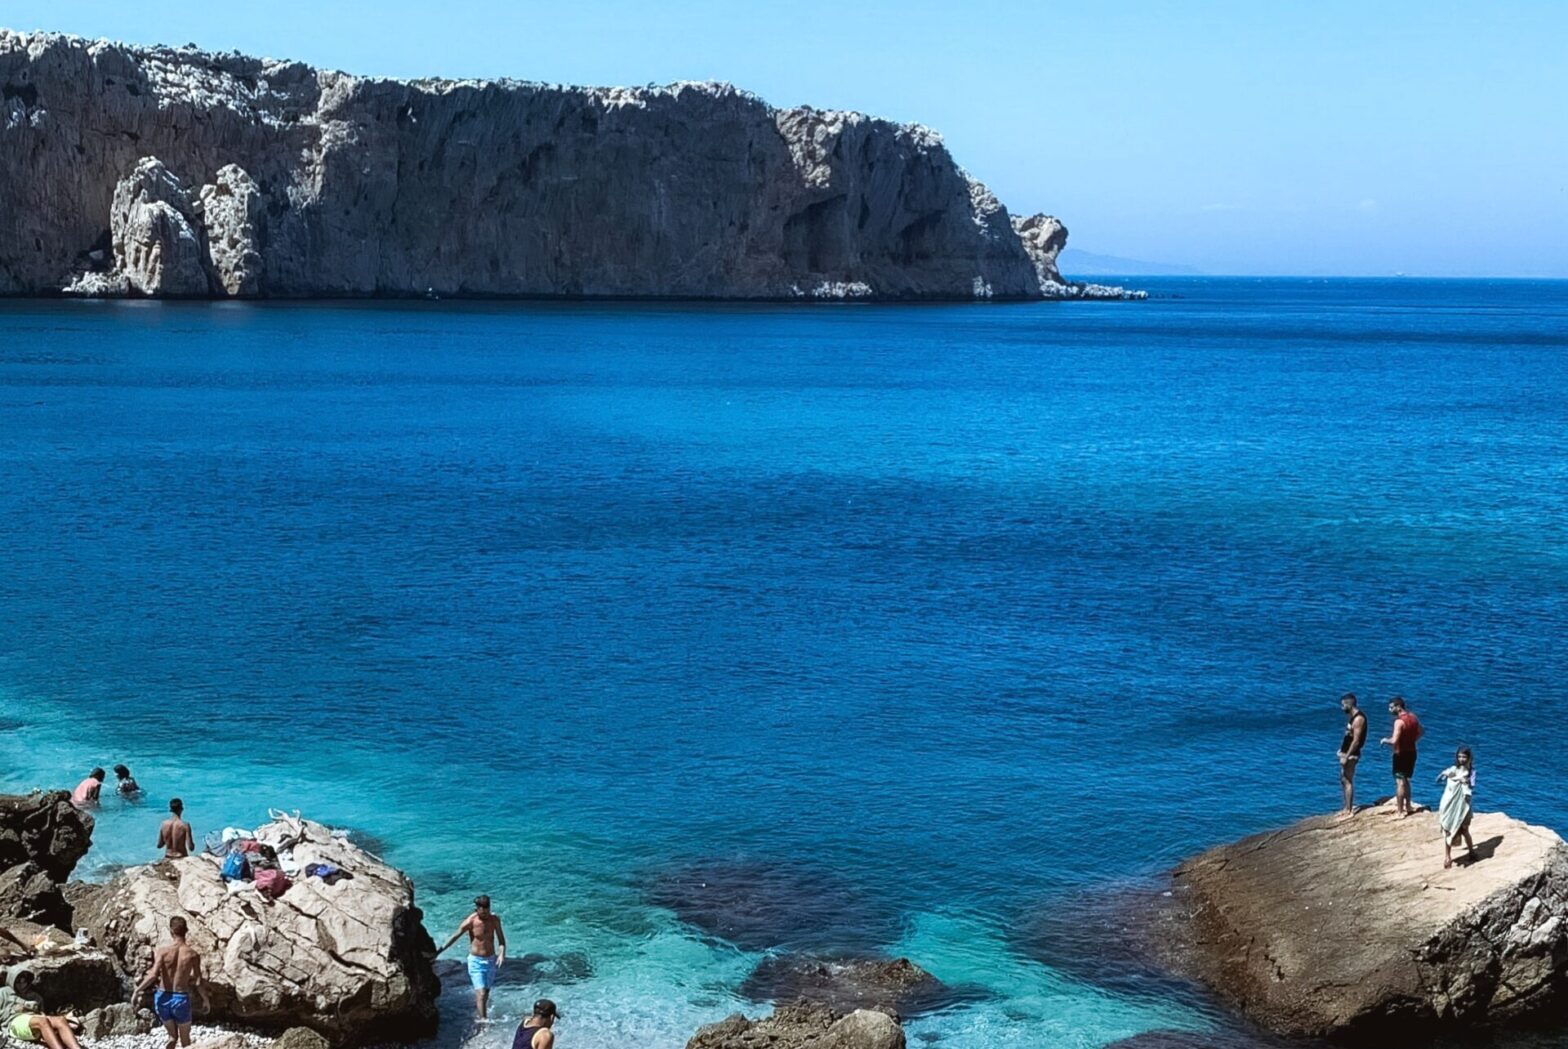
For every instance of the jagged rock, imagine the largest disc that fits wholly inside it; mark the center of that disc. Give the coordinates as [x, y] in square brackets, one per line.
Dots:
[366, 186]
[1043, 237]
[1352, 929]
[121, 1018]
[43, 828]
[157, 246]
[803, 1025]
[27, 892]
[852, 983]
[99, 285]
[232, 211]
[350, 960]
[299, 1038]
[73, 978]
[32, 936]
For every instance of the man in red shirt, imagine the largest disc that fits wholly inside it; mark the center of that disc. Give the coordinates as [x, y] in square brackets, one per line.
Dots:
[1407, 730]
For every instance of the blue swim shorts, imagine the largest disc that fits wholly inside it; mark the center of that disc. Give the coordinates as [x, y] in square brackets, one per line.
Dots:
[172, 1007]
[481, 971]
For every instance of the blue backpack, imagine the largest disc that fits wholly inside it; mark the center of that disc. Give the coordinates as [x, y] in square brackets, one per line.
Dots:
[236, 867]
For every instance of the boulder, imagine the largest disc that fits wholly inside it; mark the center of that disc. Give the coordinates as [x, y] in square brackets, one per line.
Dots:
[111, 1021]
[848, 983]
[1043, 237]
[67, 978]
[350, 960]
[28, 893]
[1352, 929]
[231, 211]
[157, 246]
[803, 1025]
[43, 828]
[300, 1038]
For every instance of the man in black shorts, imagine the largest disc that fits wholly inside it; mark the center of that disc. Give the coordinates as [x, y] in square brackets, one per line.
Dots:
[1350, 750]
[1407, 730]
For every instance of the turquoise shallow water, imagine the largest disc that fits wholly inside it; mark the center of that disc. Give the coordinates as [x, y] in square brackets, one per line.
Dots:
[960, 612]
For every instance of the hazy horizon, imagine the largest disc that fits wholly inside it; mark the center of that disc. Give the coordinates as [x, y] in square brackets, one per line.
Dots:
[1425, 140]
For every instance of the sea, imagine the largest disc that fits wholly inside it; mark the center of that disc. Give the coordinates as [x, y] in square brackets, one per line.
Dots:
[701, 635]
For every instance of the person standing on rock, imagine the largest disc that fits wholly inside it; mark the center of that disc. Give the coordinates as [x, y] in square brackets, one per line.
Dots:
[174, 834]
[88, 790]
[176, 969]
[1350, 750]
[1453, 812]
[535, 1032]
[486, 951]
[1407, 730]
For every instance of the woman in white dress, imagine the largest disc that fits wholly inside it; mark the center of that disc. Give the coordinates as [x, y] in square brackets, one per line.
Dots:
[1453, 812]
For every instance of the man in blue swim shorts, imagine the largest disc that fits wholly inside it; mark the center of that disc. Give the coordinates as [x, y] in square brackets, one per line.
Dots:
[176, 969]
[486, 951]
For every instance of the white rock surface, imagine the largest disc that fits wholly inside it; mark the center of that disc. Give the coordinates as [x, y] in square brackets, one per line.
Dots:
[157, 248]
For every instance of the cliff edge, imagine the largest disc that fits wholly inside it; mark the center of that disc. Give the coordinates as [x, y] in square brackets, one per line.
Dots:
[1352, 929]
[175, 172]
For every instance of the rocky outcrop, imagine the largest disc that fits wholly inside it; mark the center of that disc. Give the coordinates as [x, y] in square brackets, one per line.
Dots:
[349, 960]
[1352, 929]
[848, 983]
[1043, 237]
[43, 829]
[801, 1025]
[171, 171]
[28, 893]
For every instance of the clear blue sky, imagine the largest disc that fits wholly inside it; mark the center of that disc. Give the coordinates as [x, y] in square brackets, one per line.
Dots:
[1261, 137]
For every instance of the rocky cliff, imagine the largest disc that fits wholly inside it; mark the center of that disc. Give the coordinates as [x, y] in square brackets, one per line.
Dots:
[171, 171]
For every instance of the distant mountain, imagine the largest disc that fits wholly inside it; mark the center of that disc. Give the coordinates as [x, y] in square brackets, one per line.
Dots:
[1076, 263]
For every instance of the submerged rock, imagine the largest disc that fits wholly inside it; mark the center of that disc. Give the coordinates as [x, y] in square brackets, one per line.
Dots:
[316, 183]
[845, 984]
[1352, 929]
[758, 905]
[350, 960]
[803, 1025]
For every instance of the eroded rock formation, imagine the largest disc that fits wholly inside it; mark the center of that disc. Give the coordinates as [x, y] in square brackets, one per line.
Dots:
[800, 1025]
[171, 171]
[1354, 930]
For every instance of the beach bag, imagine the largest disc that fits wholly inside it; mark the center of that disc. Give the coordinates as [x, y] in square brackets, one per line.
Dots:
[235, 867]
[272, 883]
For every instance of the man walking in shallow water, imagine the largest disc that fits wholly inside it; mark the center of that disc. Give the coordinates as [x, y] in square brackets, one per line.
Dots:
[486, 951]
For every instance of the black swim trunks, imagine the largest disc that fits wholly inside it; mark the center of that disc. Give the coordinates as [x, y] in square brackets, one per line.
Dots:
[1405, 765]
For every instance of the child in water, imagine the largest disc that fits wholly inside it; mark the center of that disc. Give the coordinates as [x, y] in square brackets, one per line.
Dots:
[1453, 812]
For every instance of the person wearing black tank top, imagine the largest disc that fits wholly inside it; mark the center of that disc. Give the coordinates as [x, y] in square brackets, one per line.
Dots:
[535, 1032]
[1350, 750]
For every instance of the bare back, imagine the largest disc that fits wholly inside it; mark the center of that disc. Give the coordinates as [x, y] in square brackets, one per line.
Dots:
[178, 967]
[175, 839]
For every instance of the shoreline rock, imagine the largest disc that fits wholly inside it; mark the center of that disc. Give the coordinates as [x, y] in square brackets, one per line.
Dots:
[1352, 930]
[803, 1025]
[895, 985]
[174, 172]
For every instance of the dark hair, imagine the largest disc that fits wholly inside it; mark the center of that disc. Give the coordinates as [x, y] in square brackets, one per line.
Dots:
[176, 806]
[482, 902]
[122, 772]
[177, 925]
[546, 1008]
[97, 773]
[1397, 701]
[1348, 695]
[1470, 762]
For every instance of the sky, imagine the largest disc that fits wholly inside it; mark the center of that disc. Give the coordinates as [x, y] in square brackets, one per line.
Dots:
[1271, 137]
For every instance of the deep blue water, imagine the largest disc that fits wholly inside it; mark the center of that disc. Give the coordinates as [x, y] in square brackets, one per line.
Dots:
[965, 610]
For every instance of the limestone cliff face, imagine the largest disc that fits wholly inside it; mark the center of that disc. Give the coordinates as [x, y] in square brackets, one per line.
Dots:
[129, 170]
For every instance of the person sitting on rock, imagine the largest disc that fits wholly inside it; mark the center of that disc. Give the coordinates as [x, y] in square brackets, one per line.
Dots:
[535, 1032]
[484, 961]
[88, 790]
[1350, 750]
[1407, 730]
[125, 785]
[22, 1016]
[1453, 812]
[176, 969]
[174, 834]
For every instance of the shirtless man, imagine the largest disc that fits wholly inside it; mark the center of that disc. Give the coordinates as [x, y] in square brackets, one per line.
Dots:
[484, 961]
[174, 834]
[1350, 750]
[535, 1033]
[176, 969]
